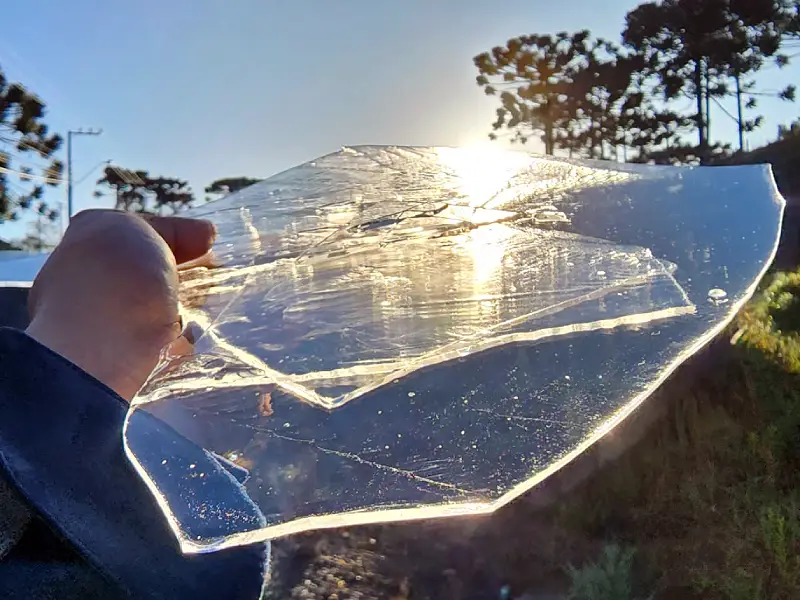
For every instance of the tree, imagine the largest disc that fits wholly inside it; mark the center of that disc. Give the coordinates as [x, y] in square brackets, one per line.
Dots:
[42, 234]
[136, 191]
[685, 154]
[129, 188]
[755, 33]
[598, 87]
[229, 185]
[533, 75]
[592, 98]
[612, 107]
[27, 150]
[678, 39]
[174, 194]
[586, 96]
[698, 48]
[789, 131]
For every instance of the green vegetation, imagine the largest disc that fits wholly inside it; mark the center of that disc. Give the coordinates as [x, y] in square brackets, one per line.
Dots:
[711, 498]
[607, 579]
[772, 323]
[27, 153]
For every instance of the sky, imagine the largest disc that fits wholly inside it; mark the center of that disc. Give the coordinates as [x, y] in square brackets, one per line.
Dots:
[203, 89]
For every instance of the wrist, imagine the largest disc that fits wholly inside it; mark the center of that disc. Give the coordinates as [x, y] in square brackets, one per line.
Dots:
[101, 356]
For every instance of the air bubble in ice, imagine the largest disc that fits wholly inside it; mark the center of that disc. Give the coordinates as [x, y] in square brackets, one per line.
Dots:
[412, 394]
[717, 296]
[549, 214]
[601, 274]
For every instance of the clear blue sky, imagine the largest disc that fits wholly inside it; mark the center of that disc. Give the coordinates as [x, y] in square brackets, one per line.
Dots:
[201, 89]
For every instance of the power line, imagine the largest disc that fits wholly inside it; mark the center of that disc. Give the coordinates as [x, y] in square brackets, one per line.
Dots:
[725, 110]
[90, 171]
[15, 186]
[8, 147]
[27, 145]
[32, 176]
[129, 177]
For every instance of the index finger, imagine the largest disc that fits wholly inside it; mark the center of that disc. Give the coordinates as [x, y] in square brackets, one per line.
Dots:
[187, 238]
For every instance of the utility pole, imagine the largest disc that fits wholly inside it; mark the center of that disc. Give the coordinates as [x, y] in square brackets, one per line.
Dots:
[70, 133]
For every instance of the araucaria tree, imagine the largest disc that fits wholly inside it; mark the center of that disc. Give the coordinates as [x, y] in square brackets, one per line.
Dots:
[27, 153]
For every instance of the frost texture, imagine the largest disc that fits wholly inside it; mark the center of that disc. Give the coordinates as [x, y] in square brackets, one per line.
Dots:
[406, 332]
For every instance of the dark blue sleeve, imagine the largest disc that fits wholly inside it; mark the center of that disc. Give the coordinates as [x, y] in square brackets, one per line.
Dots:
[61, 447]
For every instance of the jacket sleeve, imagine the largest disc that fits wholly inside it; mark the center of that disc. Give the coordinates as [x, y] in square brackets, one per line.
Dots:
[61, 448]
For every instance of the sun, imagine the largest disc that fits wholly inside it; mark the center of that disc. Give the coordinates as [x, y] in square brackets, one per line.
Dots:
[482, 171]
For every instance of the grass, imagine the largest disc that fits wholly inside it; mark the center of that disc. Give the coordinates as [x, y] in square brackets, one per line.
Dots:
[610, 578]
[711, 500]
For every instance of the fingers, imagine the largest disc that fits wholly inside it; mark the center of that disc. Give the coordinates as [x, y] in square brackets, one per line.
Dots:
[207, 260]
[188, 239]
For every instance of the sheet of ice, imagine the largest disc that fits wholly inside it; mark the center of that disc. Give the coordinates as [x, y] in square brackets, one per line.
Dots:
[399, 333]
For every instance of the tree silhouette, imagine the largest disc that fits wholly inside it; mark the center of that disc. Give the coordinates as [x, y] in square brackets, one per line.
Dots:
[710, 49]
[584, 95]
[136, 191]
[592, 98]
[229, 185]
[173, 194]
[27, 150]
[533, 77]
[678, 40]
[789, 131]
[42, 234]
[755, 34]
[613, 107]
[129, 188]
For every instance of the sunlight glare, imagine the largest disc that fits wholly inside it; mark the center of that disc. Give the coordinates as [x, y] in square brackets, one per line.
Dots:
[482, 171]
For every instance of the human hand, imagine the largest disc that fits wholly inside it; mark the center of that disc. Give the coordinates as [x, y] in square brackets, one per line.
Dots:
[107, 298]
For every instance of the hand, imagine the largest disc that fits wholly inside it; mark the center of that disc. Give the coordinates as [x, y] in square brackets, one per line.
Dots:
[107, 297]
